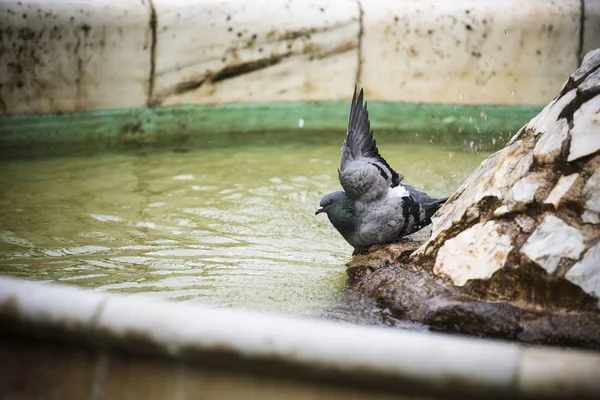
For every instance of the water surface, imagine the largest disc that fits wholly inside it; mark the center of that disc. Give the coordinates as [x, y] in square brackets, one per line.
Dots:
[224, 226]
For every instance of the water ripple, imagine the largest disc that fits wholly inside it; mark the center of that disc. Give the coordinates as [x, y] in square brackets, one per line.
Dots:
[229, 227]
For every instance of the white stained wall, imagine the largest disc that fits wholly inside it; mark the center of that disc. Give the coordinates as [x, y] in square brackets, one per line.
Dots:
[66, 55]
[73, 55]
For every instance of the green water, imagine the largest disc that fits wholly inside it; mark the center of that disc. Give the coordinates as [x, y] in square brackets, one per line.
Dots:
[229, 227]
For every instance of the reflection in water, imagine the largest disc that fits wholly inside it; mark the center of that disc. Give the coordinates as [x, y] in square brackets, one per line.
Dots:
[230, 227]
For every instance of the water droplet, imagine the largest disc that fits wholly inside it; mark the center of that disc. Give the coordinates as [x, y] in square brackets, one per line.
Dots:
[506, 32]
[512, 92]
[460, 96]
[300, 123]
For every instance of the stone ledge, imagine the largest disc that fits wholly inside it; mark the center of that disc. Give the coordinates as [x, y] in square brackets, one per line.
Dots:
[399, 361]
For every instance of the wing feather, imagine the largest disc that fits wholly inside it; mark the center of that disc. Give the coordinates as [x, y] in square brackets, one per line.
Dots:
[364, 174]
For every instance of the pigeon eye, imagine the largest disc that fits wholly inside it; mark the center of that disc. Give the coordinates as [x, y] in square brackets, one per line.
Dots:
[330, 202]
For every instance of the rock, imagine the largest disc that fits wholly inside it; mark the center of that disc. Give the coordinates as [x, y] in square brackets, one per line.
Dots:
[552, 241]
[585, 134]
[556, 188]
[562, 187]
[586, 273]
[515, 251]
[525, 222]
[524, 191]
[591, 195]
[548, 147]
[475, 253]
[414, 294]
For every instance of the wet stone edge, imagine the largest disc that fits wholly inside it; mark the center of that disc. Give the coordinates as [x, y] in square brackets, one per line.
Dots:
[387, 275]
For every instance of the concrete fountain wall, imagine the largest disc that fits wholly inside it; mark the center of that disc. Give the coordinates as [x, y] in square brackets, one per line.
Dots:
[65, 56]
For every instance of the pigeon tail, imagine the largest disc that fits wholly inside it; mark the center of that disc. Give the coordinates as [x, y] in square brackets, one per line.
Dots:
[431, 207]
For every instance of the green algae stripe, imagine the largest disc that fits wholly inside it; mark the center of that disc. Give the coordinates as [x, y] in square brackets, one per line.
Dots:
[189, 126]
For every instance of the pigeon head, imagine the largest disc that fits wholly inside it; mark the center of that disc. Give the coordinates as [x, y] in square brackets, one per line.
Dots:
[340, 211]
[331, 202]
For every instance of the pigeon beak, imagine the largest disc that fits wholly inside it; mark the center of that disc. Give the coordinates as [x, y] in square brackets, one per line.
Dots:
[319, 210]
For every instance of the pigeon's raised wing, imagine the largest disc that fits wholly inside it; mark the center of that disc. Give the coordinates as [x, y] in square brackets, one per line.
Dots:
[363, 173]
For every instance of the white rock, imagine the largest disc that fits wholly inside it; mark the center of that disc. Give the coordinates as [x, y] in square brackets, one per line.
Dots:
[553, 240]
[590, 217]
[547, 148]
[592, 81]
[560, 189]
[521, 194]
[530, 169]
[591, 196]
[525, 222]
[554, 130]
[586, 273]
[494, 176]
[590, 61]
[475, 253]
[524, 190]
[471, 214]
[546, 121]
[502, 210]
[585, 134]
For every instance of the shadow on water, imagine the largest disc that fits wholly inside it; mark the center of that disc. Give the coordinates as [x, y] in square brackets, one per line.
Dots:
[229, 226]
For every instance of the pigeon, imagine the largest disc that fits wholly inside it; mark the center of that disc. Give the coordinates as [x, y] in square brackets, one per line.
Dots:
[374, 207]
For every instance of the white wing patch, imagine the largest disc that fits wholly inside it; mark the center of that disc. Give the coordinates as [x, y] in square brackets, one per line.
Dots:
[398, 191]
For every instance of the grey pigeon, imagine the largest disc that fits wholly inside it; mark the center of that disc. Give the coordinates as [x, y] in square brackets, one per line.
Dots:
[374, 207]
